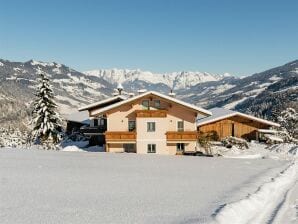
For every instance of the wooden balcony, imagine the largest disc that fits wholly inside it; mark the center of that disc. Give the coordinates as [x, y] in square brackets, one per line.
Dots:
[120, 136]
[151, 113]
[182, 135]
[87, 130]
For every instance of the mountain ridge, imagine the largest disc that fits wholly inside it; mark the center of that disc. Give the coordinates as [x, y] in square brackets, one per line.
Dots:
[74, 89]
[174, 80]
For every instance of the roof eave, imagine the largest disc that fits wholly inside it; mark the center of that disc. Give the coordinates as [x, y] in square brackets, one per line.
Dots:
[240, 114]
[197, 109]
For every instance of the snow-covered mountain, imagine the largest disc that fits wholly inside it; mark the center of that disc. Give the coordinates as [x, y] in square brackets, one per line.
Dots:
[74, 89]
[260, 93]
[175, 80]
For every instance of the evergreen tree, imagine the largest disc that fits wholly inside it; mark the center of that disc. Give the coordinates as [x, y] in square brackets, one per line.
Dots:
[46, 120]
[288, 121]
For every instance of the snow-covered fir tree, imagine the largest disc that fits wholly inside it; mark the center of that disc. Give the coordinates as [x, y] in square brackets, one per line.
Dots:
[288, 121]
[12, 137]
[46, 120]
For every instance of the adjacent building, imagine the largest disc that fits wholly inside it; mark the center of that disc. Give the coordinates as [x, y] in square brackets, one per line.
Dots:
[225, 123]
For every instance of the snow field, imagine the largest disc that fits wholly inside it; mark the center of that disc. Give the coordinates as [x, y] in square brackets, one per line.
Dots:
[66, 187]
[261, 206]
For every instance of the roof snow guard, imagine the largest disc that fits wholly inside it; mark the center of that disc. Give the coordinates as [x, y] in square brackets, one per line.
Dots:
[222, 113]
[131, 99]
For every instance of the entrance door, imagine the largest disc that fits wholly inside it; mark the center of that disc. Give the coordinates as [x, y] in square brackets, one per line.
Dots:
[130, 148]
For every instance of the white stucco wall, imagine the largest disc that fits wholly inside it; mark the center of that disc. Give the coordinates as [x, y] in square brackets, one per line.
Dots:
[117, 120]
[158, 137]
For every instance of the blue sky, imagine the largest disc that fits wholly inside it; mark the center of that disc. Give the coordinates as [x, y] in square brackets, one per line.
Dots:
[239, 37]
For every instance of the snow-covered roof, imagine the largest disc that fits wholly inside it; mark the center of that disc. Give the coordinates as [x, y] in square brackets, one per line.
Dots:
[267, 131]
[80, 117]
[102, 102]
[222, 113]
[188, 105]
[274, 138]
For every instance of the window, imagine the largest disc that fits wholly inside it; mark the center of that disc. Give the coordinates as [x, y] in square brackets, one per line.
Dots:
[233, 130]
[130, 148]
[157, 104]
[95, 122]
[131, 125]
[180, 147]
[102, 122]
[180, 126]
[150, 126]
[151, 148]
[145, 104]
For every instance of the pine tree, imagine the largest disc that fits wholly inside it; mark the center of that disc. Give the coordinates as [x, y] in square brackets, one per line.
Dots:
[288, 121]
[46, 120]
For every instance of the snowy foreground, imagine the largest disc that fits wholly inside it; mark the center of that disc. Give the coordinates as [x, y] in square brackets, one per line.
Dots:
[93, 187]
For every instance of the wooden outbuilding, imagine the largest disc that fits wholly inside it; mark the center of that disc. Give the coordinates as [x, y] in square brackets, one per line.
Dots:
[224, 123]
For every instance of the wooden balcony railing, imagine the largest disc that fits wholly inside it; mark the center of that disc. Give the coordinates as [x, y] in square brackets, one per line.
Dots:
[87, 130]
[151, 113]
[120, 136]
[182, 136]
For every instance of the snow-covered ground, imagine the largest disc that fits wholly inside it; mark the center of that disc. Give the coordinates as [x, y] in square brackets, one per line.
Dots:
[67, 187]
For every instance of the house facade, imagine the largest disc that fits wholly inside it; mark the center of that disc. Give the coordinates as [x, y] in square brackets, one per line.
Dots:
[148, 123]
[152, 122]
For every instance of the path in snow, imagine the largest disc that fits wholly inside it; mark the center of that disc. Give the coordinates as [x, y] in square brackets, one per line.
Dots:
[68, 187]
[275, 201]
[263, 205]
[288, 212]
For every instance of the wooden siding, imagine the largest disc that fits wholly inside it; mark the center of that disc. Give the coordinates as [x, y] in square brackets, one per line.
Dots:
[183, 135]
[121, 136]
[243, 127]
[151, 113]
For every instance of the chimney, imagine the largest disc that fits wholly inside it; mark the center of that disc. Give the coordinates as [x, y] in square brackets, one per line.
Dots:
[131, 95]
[172, 94]
[119, 88]
[140, 91]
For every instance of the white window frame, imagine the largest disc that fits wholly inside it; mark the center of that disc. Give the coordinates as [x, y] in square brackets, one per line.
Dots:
[151, 148]
[101, 122]
[134, 125]
[180, 130]
[149, 126]
[179, 147]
